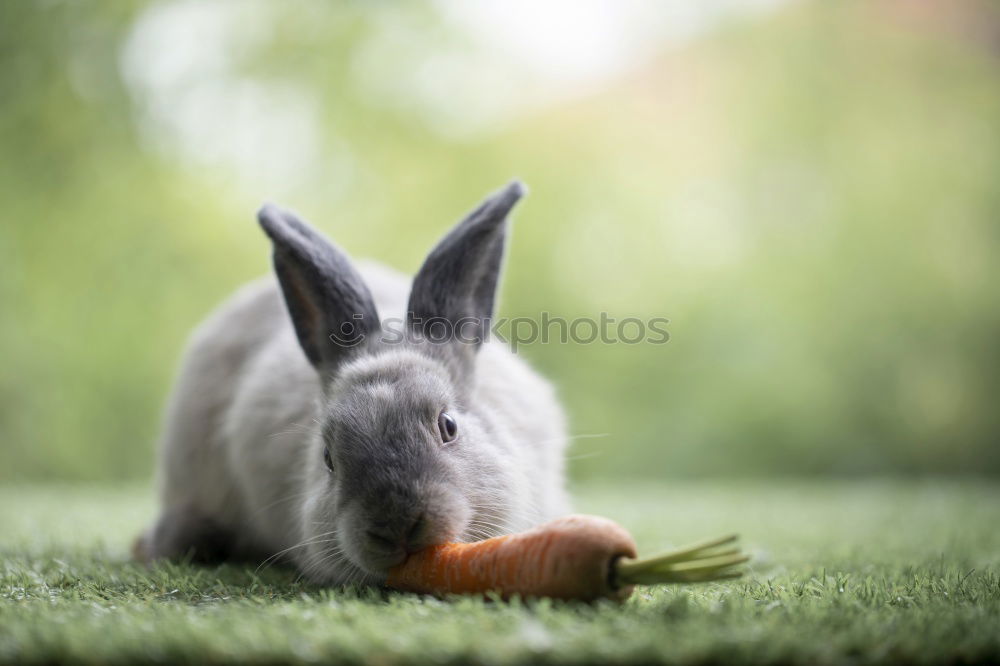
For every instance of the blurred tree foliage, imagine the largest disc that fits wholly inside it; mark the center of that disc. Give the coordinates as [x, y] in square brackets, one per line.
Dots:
[811, 197]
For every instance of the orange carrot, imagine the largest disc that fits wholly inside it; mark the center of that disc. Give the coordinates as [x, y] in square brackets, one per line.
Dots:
[575, 557]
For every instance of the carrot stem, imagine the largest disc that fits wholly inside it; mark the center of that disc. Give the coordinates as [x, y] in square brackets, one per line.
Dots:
[686, 552]
[704, 561]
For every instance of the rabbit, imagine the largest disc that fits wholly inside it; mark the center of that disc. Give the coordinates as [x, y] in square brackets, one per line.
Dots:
[304, 429]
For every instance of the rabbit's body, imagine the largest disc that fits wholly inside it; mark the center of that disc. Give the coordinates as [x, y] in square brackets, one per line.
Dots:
[241, 465]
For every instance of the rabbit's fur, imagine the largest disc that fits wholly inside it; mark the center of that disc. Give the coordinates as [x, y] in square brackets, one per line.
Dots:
[265, 388]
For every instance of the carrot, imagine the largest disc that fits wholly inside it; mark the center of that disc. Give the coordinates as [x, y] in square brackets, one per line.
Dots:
[575, 557]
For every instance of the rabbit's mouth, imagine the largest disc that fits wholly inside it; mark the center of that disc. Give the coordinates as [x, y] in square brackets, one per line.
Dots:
[379, 563]
[339, 567]
[371, 560]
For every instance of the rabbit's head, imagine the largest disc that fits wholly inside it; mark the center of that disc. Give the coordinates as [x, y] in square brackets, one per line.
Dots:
[401, 459]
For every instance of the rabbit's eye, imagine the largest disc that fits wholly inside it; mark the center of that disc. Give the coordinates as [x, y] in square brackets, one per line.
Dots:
[448, 427]
[328, 459]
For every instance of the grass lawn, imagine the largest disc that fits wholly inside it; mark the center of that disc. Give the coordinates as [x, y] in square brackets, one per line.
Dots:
[843, 572]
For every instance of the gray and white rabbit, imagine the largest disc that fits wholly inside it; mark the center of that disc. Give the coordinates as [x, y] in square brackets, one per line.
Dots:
[305, 428]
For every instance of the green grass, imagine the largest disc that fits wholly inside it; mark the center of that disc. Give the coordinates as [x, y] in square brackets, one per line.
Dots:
[843, 572]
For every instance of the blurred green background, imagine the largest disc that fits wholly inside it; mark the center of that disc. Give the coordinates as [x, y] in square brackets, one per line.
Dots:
[809, 191]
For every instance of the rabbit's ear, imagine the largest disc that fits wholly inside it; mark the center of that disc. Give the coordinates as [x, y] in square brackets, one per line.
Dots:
[330, 305]
[458, 281]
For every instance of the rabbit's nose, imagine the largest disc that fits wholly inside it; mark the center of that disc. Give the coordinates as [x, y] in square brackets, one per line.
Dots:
[402, 535]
